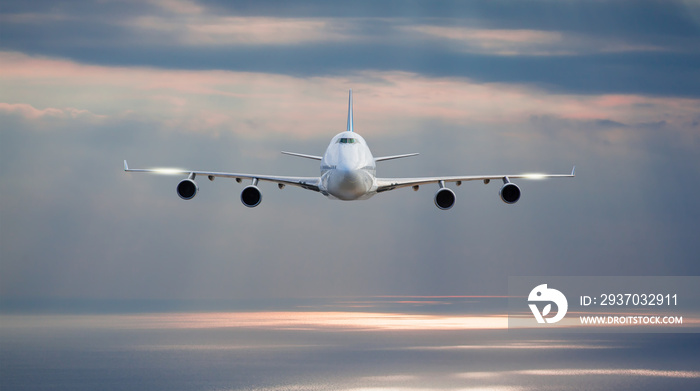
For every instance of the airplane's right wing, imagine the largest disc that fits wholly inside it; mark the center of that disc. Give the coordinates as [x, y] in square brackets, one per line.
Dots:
[310, 183]
[250, 196]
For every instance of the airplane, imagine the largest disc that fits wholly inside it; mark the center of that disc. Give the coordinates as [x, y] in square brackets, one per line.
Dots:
[348, 173]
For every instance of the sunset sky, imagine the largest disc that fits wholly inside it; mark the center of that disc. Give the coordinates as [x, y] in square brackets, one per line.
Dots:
[108, 280]
[479, 87]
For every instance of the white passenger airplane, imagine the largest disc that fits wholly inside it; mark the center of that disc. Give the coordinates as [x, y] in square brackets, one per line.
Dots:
[347, 173]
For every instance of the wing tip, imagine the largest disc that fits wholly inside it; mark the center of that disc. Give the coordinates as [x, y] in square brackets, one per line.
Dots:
[126, 166]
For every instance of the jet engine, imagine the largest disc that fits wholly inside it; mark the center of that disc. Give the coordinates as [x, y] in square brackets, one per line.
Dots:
[510, 193]
[251, 196]
[444, 198]
[187, 189]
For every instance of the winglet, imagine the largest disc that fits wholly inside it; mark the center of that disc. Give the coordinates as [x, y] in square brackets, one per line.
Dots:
[126, 166]
[350, 127]
[573, 171]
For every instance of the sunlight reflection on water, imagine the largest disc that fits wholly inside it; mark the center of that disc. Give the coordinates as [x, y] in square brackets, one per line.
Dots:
[338, 350]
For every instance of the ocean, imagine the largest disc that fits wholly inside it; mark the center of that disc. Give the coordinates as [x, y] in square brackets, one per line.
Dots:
[349, 344]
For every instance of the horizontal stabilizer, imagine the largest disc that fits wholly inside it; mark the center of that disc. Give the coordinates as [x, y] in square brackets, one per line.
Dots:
[314, 157]
[380, 159]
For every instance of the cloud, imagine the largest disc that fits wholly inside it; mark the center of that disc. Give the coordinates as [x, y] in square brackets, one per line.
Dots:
[243, 102]
[502, 42]
[233, 31]
[31, 113]
[565, 47]
[178, 6]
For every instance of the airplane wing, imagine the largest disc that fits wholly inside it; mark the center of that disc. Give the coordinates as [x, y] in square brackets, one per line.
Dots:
[386, 184]
[309, 183]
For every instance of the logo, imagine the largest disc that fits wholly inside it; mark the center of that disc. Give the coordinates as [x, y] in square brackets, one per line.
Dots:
[543, 294]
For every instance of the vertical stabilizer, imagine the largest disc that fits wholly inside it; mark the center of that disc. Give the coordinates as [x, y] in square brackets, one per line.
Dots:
[350, 127]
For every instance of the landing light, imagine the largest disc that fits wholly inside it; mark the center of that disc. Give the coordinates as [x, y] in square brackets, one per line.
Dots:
[169, 171]
[535, 176]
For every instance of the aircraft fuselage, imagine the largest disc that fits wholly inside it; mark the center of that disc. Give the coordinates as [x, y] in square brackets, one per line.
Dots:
[348, 168]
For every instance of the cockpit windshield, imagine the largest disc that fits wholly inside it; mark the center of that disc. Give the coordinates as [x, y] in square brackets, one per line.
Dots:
[347, 140]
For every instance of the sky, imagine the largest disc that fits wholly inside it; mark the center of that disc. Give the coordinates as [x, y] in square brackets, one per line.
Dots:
[478, 87]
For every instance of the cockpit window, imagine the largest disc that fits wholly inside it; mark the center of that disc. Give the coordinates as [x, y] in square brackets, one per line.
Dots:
[347, 140]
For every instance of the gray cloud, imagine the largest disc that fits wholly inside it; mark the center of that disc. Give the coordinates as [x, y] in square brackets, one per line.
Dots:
[653, 44]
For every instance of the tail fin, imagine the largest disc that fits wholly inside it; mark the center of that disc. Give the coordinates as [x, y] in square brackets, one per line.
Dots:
[350, 127]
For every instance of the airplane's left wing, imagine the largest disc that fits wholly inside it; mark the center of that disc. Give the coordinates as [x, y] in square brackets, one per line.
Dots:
[444, 198]
[385, 184]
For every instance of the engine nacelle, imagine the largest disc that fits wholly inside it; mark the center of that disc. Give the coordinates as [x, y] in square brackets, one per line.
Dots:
[444, 198]
[510, 193]
[187, 189]
[251, 196]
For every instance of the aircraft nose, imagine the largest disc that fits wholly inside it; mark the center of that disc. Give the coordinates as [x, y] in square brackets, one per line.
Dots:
[348, 167]
[348, 176]
[348, 184]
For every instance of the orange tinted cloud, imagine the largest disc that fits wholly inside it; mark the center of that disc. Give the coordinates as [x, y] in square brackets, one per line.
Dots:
[493, 41]
[28, 111]
[259, 105]
[513, 42]
[198, 28]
